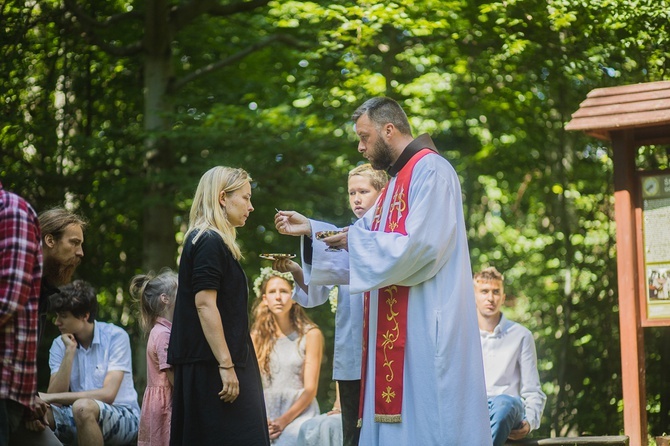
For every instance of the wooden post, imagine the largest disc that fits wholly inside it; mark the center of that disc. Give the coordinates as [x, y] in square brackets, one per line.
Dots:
[632, 336]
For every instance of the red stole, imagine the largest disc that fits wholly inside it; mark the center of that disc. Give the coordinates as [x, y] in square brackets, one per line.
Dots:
[392, 312]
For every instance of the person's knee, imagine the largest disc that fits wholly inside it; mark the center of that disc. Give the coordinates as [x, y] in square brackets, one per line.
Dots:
[85, 411]
[507, 401]
[506, 406]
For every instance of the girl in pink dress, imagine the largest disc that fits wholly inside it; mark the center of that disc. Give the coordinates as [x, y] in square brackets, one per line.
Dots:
[157, 294]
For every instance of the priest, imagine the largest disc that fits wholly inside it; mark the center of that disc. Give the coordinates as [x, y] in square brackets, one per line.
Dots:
[422, 378]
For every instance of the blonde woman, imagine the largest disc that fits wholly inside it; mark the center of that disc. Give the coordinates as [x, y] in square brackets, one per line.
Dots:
[289, 347]
[218, 395]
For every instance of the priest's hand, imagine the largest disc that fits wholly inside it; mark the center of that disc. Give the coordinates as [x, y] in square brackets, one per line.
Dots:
[339, 240]
[292, 223]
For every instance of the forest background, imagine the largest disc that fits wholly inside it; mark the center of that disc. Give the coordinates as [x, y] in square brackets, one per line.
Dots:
[114, 109]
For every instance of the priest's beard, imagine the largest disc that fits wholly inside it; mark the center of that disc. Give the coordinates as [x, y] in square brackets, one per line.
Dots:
[382, 157]
[59, 273]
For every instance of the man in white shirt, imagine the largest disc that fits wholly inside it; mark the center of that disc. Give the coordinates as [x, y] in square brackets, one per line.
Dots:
[515, 397]
[91, 386]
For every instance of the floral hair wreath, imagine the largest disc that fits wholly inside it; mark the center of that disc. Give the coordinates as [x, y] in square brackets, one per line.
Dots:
[266, 273]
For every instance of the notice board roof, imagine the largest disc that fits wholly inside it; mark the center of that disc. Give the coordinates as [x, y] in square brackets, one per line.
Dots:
[643, 109]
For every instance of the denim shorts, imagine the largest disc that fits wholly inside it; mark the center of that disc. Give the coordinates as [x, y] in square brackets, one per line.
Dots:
[119, 424]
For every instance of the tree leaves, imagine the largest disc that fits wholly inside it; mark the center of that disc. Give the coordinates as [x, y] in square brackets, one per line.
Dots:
[271, 89]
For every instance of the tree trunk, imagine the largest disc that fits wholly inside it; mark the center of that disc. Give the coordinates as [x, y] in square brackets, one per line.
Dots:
[159, 247]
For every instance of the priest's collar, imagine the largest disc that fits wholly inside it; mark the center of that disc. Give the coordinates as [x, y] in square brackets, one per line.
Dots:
[420, 142]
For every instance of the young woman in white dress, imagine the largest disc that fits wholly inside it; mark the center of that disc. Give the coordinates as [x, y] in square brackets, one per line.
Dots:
[289, 348]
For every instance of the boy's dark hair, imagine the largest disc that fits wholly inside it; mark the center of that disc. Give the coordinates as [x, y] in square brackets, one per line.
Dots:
[78, 298]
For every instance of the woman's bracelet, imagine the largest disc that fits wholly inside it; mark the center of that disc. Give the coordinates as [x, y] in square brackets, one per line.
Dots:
[226, 367]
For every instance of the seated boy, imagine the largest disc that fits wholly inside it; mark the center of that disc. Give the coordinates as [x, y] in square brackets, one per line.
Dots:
[93, 401]
[515, 397]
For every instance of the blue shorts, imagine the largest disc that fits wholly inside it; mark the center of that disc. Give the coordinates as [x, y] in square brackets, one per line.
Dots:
[119, 424]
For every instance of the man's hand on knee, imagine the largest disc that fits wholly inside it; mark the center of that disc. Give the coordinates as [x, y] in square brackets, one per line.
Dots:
[41, 417]
[518, 434]
[35, 425]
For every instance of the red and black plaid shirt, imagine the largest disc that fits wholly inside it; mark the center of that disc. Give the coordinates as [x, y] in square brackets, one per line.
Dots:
[20, 275]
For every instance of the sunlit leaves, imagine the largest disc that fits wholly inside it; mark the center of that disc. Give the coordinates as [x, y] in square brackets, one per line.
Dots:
[493, 82]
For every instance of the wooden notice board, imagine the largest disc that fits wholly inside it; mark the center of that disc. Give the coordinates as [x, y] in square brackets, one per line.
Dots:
[655, 242]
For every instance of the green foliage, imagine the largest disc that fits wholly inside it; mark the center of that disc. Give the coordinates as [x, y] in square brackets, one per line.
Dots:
[493, 82]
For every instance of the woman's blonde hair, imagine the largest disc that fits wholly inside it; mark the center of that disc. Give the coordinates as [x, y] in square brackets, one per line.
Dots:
[206, 210]
[264, 329]
[377, 178]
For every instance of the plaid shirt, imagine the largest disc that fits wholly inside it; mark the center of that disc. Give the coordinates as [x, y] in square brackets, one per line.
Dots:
[20, 276]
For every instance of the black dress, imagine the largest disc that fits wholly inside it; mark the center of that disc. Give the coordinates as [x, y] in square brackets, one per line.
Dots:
[199, 417]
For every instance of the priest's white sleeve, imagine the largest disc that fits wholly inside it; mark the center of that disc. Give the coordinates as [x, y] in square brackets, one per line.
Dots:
[325, 267]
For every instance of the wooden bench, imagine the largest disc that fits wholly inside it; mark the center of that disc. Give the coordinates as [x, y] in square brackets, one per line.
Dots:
[608, 440]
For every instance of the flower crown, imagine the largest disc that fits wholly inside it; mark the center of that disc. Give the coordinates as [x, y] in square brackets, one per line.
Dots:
[266, 273]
